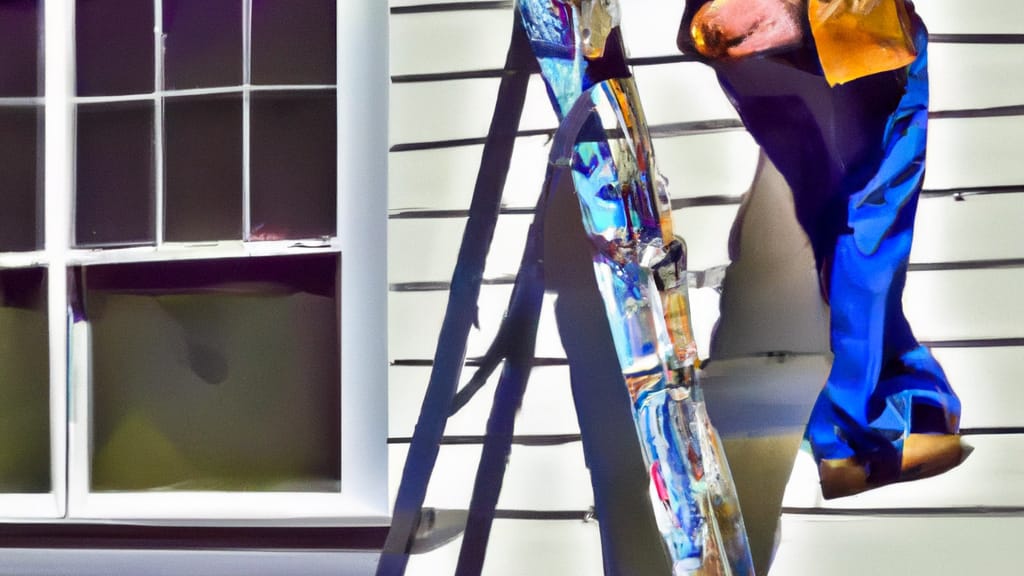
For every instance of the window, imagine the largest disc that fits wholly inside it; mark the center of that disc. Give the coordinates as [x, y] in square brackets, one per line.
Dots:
[190, 299]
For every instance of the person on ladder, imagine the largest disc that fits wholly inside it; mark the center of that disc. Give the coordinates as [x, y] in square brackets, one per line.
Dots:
[836, 93]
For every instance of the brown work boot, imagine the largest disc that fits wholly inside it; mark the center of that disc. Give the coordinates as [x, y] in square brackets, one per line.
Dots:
[842, 477]
[929, 454]
[924, 455]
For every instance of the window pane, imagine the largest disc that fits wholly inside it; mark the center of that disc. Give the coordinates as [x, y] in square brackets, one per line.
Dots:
[19, 48]
[21, 157]
[24, 382]
[114, 47]
[293, 157]
[114, 174]
[293, 41]
[202, 43]
[219, 374]
[203, 168]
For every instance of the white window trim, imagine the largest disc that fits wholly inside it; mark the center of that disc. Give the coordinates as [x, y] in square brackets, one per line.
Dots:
[360, 241]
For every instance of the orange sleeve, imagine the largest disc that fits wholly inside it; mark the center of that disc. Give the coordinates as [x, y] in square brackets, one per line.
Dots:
[857, 38]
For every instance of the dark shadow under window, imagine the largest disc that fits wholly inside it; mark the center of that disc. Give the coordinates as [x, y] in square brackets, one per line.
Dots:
[24, 382]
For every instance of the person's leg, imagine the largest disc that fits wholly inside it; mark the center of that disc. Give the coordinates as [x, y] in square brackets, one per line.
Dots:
[853, 156]
[841, 423]
[887, 411]
[913, 394]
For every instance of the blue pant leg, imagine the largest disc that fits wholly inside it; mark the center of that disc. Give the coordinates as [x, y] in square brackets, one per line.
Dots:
[913, 393]
[883, 383]
[840, 423]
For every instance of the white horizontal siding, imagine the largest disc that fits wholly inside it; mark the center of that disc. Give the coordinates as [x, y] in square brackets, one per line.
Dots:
[975, 75]
[447, 41]
[525, 548]
[965, 304]
[415, 318]
[547, 405]
[984, 227]
[649, 26]
[681, 92]
[426, 250]
[537, 478]
[708, 164]
[720, 163]
[983, 17]
[450, 109]
[941, 305]
[883, 546]
[414, 321]
[443, 178]
[975, 152]
[988, 383]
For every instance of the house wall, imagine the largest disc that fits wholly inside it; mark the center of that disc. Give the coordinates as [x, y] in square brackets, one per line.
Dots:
[961, 294]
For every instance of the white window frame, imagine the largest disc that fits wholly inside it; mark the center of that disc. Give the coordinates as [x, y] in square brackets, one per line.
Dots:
[360, 242]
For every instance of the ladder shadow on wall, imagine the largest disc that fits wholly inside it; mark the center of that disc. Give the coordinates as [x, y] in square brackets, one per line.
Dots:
[769, 353]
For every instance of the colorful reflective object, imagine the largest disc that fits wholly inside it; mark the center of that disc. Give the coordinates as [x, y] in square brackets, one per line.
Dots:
[640, 269]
